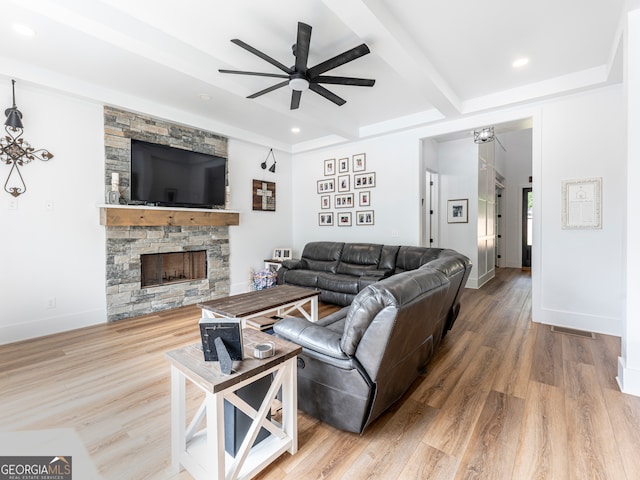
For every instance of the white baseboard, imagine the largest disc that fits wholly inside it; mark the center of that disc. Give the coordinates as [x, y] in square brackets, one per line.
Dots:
[580, 321]
[628, 378]
[50, 325]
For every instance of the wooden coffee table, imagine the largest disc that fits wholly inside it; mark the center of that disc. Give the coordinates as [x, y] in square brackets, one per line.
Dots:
[280, 301]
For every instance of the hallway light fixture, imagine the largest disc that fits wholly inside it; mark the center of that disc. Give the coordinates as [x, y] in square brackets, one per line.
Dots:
[15, 151]
[484, 135]
[272, 168]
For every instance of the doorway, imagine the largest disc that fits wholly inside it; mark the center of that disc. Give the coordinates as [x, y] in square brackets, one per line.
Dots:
[527, 227]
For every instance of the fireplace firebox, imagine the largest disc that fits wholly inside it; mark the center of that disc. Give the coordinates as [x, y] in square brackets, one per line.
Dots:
[174, 267]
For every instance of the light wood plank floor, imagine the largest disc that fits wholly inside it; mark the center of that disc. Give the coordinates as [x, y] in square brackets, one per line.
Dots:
[504, 398]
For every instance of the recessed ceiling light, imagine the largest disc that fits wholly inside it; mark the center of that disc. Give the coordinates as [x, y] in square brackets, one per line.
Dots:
[24, 30]
[295, 130]
[205, 97]
[521, 62]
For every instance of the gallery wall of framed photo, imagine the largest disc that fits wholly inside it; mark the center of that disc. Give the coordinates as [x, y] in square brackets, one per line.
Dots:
[344, 192]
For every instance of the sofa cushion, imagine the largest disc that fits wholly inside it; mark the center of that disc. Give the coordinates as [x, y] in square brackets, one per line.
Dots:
[303, 278]
[358, 258]
[337, 282]
[410, 258]
[322, 256]
[388, 258]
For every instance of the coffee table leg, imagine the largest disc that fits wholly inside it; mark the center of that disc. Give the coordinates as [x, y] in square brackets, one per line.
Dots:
[314, 309]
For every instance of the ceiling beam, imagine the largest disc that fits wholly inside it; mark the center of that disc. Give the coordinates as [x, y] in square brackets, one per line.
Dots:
[373, 23]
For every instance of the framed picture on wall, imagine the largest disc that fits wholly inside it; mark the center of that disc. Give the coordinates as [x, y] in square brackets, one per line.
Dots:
[343, 165]
[458, 211]
[327, 186]
[329, 167]
[344, 183]
[325, 202]
[325, 219]
[344, 219]
[364, 217]
[343, 200]
[364, 180]
[364, 199]
[359, 162]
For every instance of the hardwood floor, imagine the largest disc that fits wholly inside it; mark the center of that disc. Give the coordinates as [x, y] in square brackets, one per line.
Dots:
[504, 398]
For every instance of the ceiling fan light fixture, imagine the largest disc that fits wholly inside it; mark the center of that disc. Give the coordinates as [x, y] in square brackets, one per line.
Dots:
[299, 84]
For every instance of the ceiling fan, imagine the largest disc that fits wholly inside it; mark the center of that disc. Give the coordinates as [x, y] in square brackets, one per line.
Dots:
[299, 77]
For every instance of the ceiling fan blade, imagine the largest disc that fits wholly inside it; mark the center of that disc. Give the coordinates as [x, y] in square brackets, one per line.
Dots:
[348, 56]
[259, 74]
[327, 94]
[270, 89]
[263, 56]
[358, 82]
[302, 47]
[295, 99]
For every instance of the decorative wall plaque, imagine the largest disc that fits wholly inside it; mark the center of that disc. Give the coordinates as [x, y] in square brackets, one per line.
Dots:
[264, 196]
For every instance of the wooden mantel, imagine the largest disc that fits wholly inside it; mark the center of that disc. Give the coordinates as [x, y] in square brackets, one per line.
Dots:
[145, 216]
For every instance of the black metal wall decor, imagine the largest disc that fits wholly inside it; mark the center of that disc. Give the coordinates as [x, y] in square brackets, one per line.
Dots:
[15, 151]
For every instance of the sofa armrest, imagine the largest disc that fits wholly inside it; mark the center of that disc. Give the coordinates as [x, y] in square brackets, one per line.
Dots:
[310, 336]
[294, 264]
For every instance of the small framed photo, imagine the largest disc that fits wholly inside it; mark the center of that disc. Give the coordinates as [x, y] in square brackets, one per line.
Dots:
[344, 219]
[364, 180]
[359, 162]
[281, 253]
[329, 167]
[364, 199]
[344, 200]
[343, 165]
[325, 202]
[364, 217]
[344, 183]
[325, 219]
[327, 186]
[458, 211]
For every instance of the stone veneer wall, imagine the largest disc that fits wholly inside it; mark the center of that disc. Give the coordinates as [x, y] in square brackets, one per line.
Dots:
[125, 297]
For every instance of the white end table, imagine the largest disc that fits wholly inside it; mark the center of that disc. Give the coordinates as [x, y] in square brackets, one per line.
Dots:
[201, 450]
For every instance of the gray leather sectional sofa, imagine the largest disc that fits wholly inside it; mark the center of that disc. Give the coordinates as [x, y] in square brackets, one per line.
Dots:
[358, 361]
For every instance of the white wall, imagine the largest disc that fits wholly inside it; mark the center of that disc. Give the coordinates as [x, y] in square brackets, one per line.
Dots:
[396, 198]
[458, 173]
[59, 253]
[579, 272]
[259, 232]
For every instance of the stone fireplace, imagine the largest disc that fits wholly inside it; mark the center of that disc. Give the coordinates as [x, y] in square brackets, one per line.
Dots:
[126, 297]
[128, 245]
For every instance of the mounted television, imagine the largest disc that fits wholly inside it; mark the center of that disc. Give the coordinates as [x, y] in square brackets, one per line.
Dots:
[172, 177]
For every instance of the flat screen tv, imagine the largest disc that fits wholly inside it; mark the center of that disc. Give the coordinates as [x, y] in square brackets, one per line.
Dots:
[168, 176]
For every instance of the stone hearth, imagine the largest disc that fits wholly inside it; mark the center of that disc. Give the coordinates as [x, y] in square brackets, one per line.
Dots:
[125, 295]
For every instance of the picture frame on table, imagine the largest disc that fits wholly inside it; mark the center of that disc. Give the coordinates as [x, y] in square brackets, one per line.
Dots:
[364, 180]
[281, 253]
[364, 198]
[328, 185]
[325, 219]
[344, 219]
[458, 210]
[329, 167]
[325, 202]
[344, 183]
[343, 200]
[343, 165]
[359, 162]
[365, 217]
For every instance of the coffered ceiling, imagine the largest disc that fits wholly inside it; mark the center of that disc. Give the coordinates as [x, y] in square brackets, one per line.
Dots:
[432, 60]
